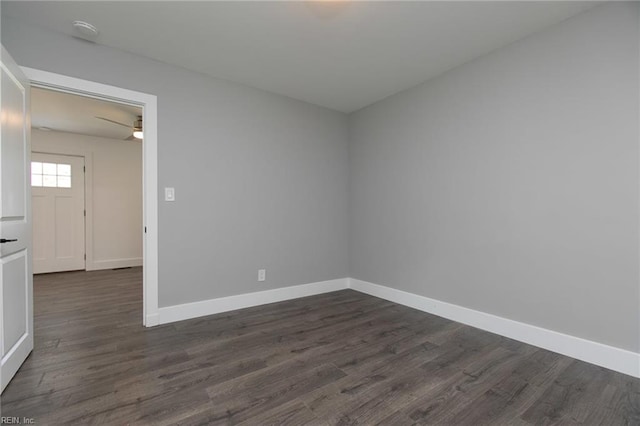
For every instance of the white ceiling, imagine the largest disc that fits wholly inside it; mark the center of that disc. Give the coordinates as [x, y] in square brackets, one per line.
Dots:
[63, 112]
[342, 55]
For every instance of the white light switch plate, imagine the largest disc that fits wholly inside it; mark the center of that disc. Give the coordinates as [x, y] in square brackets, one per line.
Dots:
[169, 194]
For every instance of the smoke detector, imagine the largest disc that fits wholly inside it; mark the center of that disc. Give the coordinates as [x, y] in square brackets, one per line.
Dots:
[85, 30]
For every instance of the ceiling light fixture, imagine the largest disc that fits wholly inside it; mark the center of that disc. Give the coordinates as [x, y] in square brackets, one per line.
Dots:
[327, 9]
[137, 128]
[85, 30]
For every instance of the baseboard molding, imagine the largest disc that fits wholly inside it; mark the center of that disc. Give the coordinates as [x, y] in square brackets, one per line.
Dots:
[610, 357]
[98, 265]
[224, 304]
[151, 320]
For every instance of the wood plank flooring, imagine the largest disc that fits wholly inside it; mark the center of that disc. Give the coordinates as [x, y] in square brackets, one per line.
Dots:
[335, 359]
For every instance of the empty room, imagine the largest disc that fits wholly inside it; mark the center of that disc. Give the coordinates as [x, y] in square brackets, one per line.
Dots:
[339, 212]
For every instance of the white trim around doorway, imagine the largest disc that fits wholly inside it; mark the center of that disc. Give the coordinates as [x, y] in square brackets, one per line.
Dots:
[149, 104]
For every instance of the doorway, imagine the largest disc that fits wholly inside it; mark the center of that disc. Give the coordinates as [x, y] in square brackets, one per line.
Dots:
[148, 103]
[102, 133]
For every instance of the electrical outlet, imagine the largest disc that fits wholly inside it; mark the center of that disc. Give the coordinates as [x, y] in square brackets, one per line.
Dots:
[262, 274]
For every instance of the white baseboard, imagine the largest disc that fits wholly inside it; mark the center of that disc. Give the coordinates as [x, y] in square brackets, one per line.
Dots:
[215, 306]
[151, 320]
[97, 265]
[610, 357]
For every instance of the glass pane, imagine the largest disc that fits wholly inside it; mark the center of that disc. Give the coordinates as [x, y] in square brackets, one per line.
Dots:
[64, 181]
[64, 169]
[49, 168]
[36, 167]
[36, 180]
[49, 181]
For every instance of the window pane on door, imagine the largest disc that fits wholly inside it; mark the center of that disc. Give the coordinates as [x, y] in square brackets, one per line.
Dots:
[36, 167]
[51, 175]
[49, 181]
[49, 169]
[64, 169]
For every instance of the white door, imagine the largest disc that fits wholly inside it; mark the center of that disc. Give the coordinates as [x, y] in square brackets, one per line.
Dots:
[57, 203]
[16, 280]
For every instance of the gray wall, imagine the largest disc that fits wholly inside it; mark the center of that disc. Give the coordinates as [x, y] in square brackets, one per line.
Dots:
[261, 180]
[510, 184]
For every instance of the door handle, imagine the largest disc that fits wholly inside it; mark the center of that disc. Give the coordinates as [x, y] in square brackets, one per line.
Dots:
[3, 240]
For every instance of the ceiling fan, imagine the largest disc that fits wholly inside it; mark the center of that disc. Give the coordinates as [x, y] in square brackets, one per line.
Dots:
[136, 128]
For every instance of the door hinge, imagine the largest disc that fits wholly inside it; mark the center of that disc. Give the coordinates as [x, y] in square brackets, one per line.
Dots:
[85, 213]
[145, 229]
[84, 169]
[85, 256]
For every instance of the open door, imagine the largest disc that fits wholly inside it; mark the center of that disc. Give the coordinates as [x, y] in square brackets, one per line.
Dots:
[16, 279]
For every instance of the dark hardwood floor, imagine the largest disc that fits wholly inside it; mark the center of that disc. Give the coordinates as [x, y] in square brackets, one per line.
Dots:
[335, 359]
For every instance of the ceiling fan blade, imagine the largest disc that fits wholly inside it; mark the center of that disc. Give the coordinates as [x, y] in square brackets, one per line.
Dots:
[114, 122]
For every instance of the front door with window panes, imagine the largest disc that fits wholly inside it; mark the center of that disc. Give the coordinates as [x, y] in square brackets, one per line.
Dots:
[57, 191]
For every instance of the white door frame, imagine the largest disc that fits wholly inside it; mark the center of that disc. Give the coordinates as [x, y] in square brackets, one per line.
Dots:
[149, 104]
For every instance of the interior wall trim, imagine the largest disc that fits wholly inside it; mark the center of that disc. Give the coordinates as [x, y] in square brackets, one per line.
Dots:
[606, 356]
[100, 264]
[231, 303]
[149, 104]
[610, 357]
